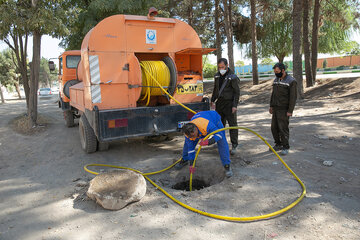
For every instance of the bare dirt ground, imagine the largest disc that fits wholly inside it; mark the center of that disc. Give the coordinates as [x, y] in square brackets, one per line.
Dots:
[42, 193]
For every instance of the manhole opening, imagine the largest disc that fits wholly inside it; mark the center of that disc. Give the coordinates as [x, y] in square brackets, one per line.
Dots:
[196, 185]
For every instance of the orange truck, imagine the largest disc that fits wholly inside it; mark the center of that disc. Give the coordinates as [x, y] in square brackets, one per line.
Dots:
[109, 83]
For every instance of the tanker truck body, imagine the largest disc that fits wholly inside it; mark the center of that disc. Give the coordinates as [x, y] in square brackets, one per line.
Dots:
[114, 93]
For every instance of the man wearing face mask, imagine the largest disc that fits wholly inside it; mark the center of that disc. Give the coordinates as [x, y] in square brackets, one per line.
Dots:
[282, 104]
[226, 94]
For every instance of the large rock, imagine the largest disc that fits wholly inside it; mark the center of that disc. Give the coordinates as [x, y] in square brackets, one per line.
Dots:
[116, 189]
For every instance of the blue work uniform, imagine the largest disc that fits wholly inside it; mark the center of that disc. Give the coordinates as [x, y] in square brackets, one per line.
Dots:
[207, 122]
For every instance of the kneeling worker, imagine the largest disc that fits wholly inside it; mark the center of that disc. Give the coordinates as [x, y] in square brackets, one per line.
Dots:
[199, 127]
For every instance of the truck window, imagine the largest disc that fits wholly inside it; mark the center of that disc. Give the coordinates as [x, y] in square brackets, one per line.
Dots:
[72, 61]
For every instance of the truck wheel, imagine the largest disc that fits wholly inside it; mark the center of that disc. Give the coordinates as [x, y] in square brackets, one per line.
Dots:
[103, 146]
[87, 136]
[69, 118]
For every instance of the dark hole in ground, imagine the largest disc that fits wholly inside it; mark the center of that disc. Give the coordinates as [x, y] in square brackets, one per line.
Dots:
[196, 185]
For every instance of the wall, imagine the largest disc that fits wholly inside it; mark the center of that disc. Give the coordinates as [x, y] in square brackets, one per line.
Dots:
[339, 61]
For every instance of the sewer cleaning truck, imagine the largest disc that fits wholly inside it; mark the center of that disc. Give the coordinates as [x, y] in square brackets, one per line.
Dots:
[117, 87]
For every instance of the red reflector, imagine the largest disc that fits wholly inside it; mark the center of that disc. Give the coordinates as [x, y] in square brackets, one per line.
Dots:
[120, 122]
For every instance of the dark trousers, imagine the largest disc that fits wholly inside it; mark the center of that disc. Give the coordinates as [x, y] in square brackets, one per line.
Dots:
[280, 127]
[223, 108]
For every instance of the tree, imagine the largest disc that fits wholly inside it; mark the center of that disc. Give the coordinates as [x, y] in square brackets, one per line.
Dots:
[306, 43]
[334, 23]
[253, 43]
[9, 75]
[229, 31]
[209, 70]
[46, 78]
[21, 19]
[296, 38]
[239, 63]
[14, 32]
[1, 94]
[324, 63]
[218, 39]
[267, 61]
[85, 14]
[314, 43]
[276, 29]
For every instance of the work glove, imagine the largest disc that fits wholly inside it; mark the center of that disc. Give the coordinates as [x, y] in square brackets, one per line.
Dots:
[207, 142]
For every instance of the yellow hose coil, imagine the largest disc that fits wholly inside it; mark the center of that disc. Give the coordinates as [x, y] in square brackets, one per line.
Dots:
[160, 71]
[227, 218]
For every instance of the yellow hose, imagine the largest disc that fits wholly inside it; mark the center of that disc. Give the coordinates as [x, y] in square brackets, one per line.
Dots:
[160, 71]
[235, 219]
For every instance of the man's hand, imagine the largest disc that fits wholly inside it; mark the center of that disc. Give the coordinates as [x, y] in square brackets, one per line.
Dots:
[288, 114]
[233, 110]
[271, 110]
[207, 142]
[212, 106]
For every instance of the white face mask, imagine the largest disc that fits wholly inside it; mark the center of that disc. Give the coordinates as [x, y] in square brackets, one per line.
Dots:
[222, 71]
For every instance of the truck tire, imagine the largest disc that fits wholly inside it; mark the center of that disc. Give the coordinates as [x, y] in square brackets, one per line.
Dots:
[87, 136]
[103, 146]
[69, 118]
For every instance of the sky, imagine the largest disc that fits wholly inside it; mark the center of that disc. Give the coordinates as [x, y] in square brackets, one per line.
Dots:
[50, 49]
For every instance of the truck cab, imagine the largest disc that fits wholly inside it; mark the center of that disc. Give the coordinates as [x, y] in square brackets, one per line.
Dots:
[68, 63]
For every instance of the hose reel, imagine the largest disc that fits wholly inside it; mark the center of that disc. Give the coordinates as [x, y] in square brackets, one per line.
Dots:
[165, 73]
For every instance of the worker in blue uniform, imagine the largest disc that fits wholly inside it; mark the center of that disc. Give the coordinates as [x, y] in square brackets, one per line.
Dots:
[200, 125]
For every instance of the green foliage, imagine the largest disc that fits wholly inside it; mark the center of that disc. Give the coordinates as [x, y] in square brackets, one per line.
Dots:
[339, 18]
[325, 63]
[209, 70]
[276, 31]
[267, 61]
[49, 17]
[85, 14]
[46, 79]
[239, 63]
[8, 70]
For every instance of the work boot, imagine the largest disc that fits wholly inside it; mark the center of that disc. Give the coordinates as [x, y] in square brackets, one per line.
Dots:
[277, 147]
[181, 164]
[228, 171]
[233, 150]
[284, 152]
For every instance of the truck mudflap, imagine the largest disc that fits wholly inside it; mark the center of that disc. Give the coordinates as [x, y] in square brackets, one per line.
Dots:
[143, 121]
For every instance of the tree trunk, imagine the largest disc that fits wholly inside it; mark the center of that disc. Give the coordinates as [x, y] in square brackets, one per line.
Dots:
[16, 84]
[34, 79]
[296, 37]
[314, 44]
[253, 43]
[217, 29]
[306, 43]
[1, 94]
[20, 50]
[24, 69]
[229, 34]
[280, 58]
[190, 11]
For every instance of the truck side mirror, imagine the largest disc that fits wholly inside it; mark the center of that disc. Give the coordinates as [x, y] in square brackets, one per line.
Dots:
[51, 66]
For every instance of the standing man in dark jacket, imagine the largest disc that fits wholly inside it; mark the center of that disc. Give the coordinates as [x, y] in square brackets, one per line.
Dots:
[282, 104]
[226, 94]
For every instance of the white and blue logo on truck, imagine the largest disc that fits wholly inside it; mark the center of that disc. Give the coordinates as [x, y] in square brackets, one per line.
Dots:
[150, 36]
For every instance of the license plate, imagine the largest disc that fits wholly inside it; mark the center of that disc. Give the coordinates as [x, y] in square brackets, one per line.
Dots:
[190, 88]
[181, 124]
